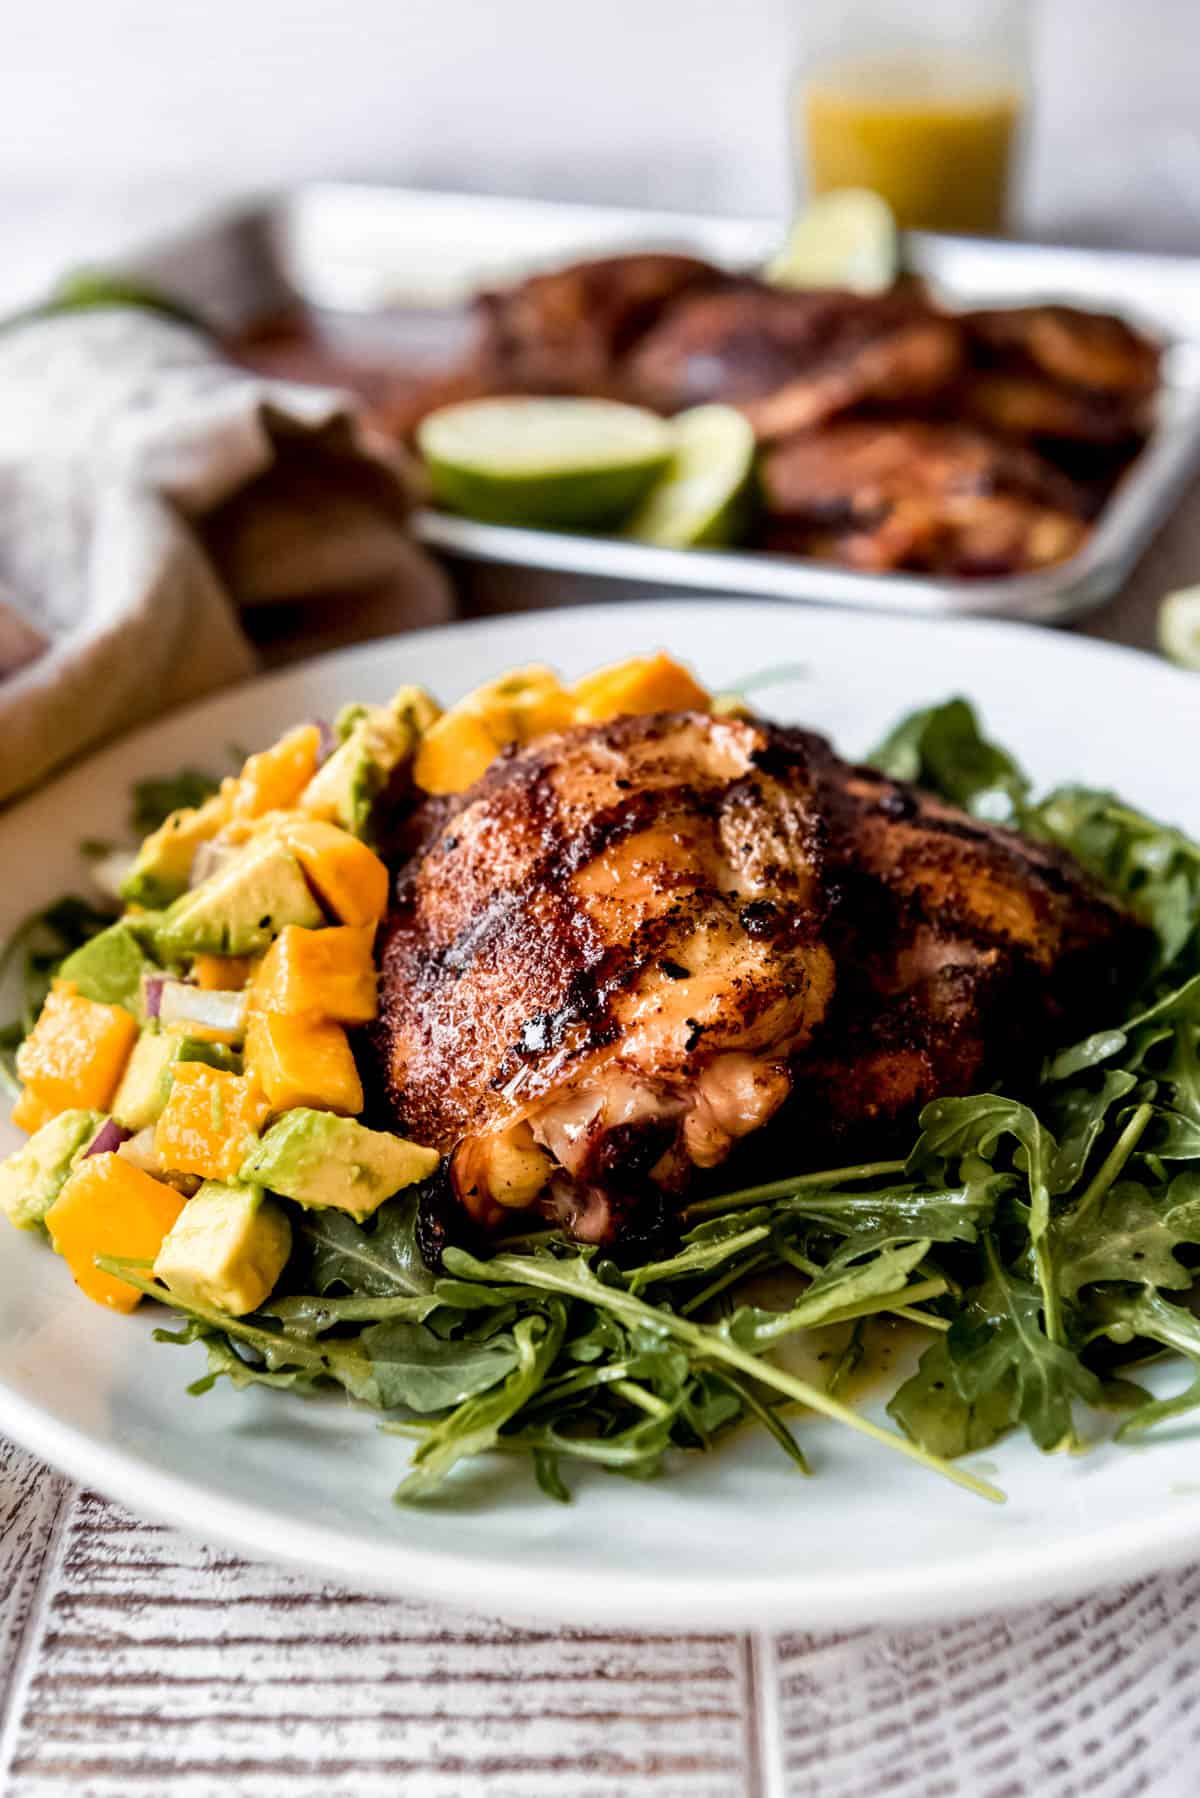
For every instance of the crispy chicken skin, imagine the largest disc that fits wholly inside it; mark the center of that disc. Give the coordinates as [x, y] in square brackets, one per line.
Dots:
[882, 494]
[631, 943]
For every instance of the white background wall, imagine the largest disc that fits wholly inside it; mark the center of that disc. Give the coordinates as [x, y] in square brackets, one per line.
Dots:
[134, 109]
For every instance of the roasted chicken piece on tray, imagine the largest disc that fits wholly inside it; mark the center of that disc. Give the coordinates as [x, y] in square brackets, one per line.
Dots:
[882, 494]
[566, 332]
[1054, 373]
[792, 360]
[630, 943]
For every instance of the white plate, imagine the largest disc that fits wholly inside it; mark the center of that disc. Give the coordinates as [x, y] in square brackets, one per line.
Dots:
[734, 1538]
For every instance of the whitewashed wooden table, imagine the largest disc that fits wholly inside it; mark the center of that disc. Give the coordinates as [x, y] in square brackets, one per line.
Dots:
[137, 1663]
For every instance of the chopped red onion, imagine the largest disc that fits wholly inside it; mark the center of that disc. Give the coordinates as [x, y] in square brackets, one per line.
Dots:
[152, 988]
[108, 1138]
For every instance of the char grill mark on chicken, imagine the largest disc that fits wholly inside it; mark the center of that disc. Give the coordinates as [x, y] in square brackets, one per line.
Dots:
[880, 494]
[630, 944]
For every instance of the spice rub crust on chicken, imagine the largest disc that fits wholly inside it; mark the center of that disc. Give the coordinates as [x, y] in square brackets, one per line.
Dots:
[631, 943]
[602, 958]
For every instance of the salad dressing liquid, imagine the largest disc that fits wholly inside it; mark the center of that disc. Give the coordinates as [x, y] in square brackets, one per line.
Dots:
[935, 136]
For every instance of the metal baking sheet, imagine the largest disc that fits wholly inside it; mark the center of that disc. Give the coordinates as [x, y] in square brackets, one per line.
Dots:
[361, 252]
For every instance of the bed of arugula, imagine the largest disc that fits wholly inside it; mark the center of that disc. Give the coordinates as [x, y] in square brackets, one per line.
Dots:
[1042, 1249]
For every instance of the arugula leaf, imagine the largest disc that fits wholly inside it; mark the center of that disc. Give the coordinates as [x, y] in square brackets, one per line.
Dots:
[943, 749]
[379, 1258]
[998, 1336]
[475, 1425]
[1130, 1236]
[836, 1292]
[410, 1366]
[930, 1407]
[1152, 866]
[1079, 1113]
[1125, 1319]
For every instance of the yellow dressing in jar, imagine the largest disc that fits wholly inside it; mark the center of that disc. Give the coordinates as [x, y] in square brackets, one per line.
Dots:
[934, 136]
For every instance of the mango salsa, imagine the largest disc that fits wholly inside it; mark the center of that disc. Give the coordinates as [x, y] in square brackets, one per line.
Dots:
[110, 1207]
[299, 1061]
[209, 1120]
[319, 973]
[76, 1053]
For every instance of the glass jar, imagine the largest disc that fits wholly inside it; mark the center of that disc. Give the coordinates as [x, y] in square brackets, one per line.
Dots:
[921, 100]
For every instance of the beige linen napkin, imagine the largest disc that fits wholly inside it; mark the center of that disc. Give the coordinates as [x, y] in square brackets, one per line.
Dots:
[149, 490]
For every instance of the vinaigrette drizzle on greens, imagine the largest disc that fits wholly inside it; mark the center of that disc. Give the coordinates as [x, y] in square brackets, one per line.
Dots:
[1044, 1246]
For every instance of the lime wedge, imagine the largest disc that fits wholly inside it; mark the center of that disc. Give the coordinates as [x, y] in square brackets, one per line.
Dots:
[1179, 627]
[550, 462]
[704, 498]
[846, 238]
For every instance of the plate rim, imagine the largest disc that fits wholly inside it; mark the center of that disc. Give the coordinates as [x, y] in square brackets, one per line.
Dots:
[477, 1579]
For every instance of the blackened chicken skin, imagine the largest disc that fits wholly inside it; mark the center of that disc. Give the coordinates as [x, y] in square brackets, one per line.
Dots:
[630, 944]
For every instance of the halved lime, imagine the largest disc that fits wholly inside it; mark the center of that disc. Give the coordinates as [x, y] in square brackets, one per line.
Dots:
[550, 462]
[1179, 627]
[845, 238]
[703, 499]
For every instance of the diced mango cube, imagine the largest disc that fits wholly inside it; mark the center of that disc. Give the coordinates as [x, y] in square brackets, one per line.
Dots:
[273, 780]
[348, 878]
[319, 973]
[454, 752]
[522, 704]
[297, 1061]
[654, 683]
[209, 1120]
[462, 744]
[222, 973]
[110, 1207]
[32, 1110]
[76, 1053]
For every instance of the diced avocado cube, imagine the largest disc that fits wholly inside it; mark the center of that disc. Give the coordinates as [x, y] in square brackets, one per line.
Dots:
[376, 742]
[109, 968]
[227, 1248]
[163, 865]
[334, 1163]
[32, 1179]
[241, 908]
[146, 1081]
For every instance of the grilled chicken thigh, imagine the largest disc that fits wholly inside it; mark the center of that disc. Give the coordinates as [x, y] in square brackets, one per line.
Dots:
[630, 943]
[601, 959]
